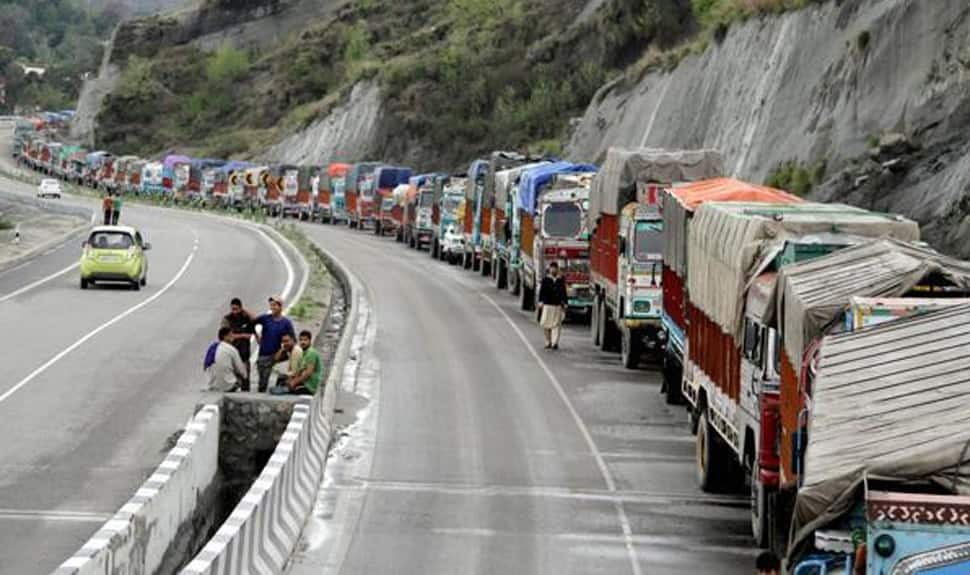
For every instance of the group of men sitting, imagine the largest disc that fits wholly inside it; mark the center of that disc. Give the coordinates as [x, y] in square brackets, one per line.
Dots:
[292, 365]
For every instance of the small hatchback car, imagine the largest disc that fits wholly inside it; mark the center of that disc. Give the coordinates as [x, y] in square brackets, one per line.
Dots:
[114, 254]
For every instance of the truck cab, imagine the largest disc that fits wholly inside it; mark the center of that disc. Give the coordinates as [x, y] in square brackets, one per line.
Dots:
[640, 279]
[452, 196]
[290, 192]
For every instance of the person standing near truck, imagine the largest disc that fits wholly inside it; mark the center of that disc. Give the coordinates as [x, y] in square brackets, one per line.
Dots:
[107, 206]
[552, 304]
[116, 210]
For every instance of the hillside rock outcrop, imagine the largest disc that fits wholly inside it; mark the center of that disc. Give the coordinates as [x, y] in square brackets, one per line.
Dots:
[822, 85]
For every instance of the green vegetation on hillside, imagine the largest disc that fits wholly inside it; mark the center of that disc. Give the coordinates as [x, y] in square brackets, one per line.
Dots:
[458, 77]
[57, 35]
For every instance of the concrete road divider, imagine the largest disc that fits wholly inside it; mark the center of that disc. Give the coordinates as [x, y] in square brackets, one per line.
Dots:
[147, 533]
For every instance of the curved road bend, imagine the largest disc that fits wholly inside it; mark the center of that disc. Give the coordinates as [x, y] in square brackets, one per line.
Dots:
[474, 462]
[93, 383]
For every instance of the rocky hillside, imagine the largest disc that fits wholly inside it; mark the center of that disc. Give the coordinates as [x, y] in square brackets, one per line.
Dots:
[864, 101]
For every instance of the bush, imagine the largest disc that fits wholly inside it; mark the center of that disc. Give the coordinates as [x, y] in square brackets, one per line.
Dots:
[795, 178]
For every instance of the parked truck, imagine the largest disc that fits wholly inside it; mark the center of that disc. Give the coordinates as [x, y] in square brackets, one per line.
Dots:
[555, 231]
[491, 217]
[152, 181]
[417, 212]
[360, 190]
[503, 186]
[678, 206]
[735, 252]
[331, 206]
[859, 287]
[884, 487]
[627, 243]
[389, 216]
[471, 222]
[444, 219]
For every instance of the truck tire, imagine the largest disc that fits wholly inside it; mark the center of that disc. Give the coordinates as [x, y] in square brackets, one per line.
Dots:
[608, 331]
[761, 510]
[707, 454]
[630, 348]
[594, 322]
[526, 299]
[486, 268]
[497, 275]
[513, 282]
[673, 375]
[433, 249]
[466, 260]
[378, 229]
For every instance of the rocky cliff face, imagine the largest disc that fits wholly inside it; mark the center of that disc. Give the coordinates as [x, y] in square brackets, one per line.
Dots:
[876, 93]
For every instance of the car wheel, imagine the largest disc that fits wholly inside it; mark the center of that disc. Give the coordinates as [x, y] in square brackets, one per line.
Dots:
[84, 283]
[144, 280]
[136, 285]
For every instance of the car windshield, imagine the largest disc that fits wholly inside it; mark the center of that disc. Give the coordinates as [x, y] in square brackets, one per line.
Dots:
[111, 240]
[562, 220]
[649, 242]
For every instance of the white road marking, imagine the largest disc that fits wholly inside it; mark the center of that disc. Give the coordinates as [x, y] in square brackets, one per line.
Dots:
[44, 515]
[584, 431]
[39, 282]
[30, 377]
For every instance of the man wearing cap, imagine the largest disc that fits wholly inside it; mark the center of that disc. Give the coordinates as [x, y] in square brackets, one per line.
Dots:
[274, 325]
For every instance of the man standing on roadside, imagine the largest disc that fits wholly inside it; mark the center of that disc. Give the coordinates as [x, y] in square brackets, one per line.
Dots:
[228, 370]
[116, 210]
[552, 305]
[108, 208]
[241, 323]
[307, 379]
[274, 325]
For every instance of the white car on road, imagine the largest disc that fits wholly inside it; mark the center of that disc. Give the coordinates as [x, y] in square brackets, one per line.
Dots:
[49, 188]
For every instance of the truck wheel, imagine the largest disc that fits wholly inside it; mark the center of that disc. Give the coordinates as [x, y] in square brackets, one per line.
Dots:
[761, 510]
[513, 282]
[433, 251]
[466, 261]
[378, 229]
[629, 348]
[608, 335]
[714, 459]
[673, 380]
[526, 301]
[486, 268]
[594, 322]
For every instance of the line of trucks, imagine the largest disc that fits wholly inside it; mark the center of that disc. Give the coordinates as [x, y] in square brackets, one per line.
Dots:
[822, 351]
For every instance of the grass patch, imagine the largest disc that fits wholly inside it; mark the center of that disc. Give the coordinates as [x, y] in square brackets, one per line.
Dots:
[6, 224]
[310, 307]
[796, 178]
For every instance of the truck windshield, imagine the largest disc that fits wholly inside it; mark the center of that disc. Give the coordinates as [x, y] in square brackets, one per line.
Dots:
[562, 220]
[451, 203]
[426, 200]
[338, 186]
[649, 243]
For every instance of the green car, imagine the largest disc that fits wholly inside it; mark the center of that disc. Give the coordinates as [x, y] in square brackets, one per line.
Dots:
[114, 254]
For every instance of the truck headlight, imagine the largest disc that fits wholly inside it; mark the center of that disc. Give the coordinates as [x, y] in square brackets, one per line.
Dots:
[641, 306]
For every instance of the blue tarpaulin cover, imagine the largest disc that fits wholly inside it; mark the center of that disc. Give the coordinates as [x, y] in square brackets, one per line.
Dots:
[532, 181]
[391, 176]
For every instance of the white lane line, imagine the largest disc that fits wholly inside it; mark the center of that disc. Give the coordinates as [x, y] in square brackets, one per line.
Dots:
[41, 281]
[584, 431]
[30, 377]
[43, 515]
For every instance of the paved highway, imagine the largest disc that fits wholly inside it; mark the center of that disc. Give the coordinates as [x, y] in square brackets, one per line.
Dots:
[93, 383]
[480, 452]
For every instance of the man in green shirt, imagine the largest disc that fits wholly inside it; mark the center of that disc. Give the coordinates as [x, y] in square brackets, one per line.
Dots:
[116, 210]
[310, 370]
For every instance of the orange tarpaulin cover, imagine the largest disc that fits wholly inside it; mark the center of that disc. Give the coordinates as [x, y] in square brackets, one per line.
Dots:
[729, 190]
[335, 170]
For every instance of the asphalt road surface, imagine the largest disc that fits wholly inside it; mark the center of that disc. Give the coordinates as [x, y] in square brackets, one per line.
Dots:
[479, 452]
[93, 383]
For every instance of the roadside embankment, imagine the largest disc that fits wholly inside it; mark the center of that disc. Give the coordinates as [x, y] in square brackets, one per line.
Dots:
[32, 226]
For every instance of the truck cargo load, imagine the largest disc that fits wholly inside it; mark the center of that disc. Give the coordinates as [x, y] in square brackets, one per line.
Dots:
[890, 406]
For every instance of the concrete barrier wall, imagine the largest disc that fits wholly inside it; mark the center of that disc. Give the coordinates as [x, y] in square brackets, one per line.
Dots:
[263, 530]
[136, 539]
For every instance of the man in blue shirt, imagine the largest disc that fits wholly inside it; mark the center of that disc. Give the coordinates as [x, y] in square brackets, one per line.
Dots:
[274, 325]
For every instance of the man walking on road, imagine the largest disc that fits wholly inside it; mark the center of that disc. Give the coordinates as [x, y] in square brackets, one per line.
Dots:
[241, 323]
[108, 208]
[115, 210]
[274, 325]
[552, 305]
[228, 370]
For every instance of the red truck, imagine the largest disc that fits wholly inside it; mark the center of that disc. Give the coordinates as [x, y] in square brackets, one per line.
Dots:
[735, 252]
[626, 250]
[361, 207]
[678, 206]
